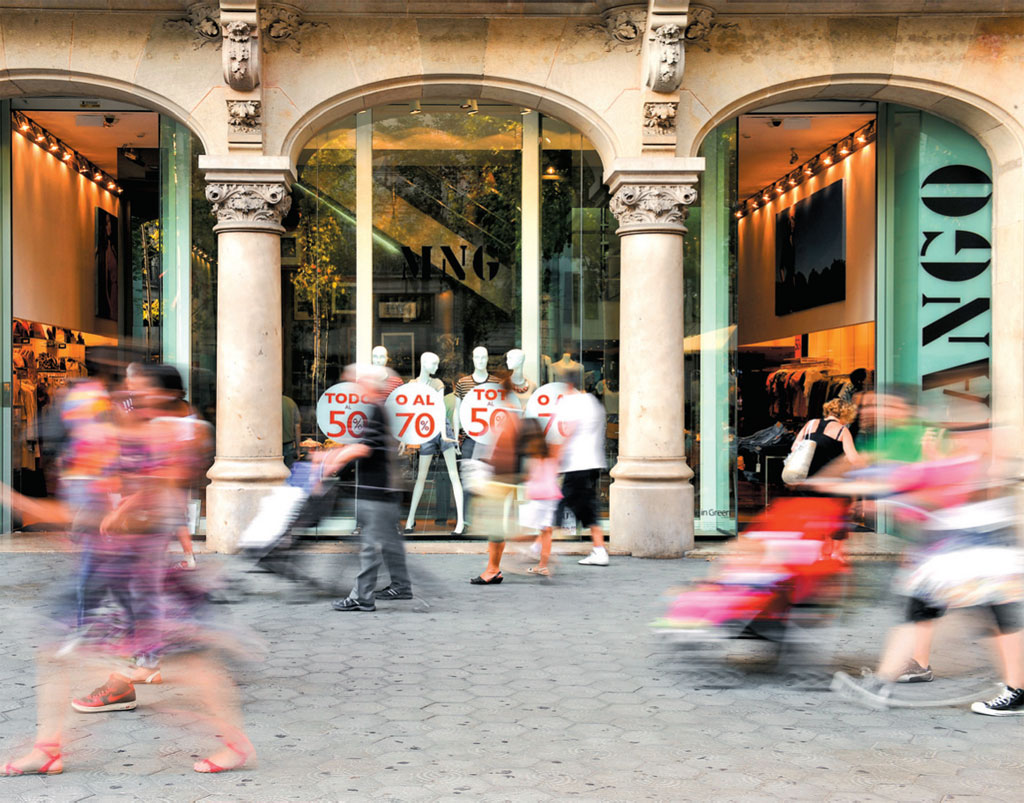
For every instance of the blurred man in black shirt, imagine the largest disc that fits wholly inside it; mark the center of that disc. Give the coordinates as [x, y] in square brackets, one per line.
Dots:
[377, 510]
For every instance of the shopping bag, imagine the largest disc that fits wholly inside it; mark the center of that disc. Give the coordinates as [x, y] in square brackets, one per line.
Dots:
[798, 462]
[275, 514]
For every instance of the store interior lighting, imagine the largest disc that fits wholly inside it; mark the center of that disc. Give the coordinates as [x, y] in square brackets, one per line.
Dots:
[820, 161]
[67, 155]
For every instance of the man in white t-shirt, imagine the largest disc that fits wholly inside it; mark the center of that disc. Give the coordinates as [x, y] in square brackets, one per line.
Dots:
[582, 418]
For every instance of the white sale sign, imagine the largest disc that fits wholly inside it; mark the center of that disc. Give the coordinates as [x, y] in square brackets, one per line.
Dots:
[415, 413]
[341, 412]
[483, 411]
[542, 406]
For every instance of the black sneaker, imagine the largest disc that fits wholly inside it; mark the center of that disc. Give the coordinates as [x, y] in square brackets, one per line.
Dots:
[392, 593]
[349, 604]
[1008, 704]
[913, 672]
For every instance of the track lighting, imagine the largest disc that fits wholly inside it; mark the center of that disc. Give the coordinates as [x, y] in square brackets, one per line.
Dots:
[67, 155]
[820, 161]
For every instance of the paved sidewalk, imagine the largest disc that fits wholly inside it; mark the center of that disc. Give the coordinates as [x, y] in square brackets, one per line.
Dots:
[531, 690]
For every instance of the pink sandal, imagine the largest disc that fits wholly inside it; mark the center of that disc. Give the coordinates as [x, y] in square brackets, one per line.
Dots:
[204, 765]
[10, 770]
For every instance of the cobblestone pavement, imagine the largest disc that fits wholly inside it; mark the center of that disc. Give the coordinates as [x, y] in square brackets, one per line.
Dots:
[532, 690]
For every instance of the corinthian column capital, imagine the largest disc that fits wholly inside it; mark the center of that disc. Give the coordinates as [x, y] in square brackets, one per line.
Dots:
[653, 194]
[652, 206]
[249, 204]
[248, 193]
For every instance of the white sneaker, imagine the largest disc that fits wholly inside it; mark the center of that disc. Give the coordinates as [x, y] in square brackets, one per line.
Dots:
[596, 558]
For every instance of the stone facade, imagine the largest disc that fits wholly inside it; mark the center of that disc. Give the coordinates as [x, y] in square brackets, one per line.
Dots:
[254, 97]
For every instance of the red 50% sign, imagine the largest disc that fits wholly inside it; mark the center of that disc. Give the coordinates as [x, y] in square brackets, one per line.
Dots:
[483, 411]
[341, 412]
[415, 413]
[542, 406]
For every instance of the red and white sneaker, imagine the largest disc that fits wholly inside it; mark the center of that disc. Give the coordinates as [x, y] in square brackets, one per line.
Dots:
[117, 694]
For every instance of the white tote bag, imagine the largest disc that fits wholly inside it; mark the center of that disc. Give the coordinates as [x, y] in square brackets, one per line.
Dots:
[798, 462]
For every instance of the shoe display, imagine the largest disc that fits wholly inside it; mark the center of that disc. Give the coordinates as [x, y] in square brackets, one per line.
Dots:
[392, 593]
[1008, 704]
[596, 558]
[117, 694]
[913, 672]
[349, 604]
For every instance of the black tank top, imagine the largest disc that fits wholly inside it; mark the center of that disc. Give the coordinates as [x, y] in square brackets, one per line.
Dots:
[827, 450]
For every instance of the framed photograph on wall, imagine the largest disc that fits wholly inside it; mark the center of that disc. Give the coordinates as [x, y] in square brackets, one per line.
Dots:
[106, 259]
[401, 348]
[810, 251]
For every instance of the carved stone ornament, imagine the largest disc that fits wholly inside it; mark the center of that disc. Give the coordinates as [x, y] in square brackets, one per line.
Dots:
[665, 58]
[660, 119]
[203, 21]
[644, 205]
[283, 24]
[700, 24]
[241, 55]
[622, 27]
[245, 116]
[249, 203]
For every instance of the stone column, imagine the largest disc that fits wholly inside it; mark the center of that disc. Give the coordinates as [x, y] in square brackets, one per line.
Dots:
[651, 496]
[249, 197]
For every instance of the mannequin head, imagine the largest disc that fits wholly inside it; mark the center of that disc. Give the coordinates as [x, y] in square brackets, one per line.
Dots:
[480, 359]
[379, 356]
[429, 363]
[515, 359]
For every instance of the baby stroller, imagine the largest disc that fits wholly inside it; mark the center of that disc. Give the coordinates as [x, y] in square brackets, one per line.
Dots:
[781, 585]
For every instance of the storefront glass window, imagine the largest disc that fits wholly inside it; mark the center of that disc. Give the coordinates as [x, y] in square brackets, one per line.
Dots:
[444, 229]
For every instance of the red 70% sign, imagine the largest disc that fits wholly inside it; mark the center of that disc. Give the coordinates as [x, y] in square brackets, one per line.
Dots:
[484, 409]
[341, 412]
[542, 406]
[415, 413]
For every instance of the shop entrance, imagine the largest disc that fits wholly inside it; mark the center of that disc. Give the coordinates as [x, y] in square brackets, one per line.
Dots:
[101, 250]
[824, 258]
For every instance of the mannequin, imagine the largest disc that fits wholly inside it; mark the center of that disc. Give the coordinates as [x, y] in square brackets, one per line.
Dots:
[567, 365]
[521, 386]
[379, 356]
[467, 383]
[446, 444]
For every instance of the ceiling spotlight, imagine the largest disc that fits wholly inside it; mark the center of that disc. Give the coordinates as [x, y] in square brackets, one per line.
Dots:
[67, 156]
[53, 145]
[794, 157]
[97, 176]
[472, 108]
[844, 147]
[765, 196]
[551, 174]
[415, 108]
[40, 136]
[738, 213]
[525, 110]
[25, 125]
[111, 185]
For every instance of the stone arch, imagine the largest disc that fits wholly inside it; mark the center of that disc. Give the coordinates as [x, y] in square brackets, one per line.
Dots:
[999, 132]
[41, 83]
[555, 104]
[996, 129]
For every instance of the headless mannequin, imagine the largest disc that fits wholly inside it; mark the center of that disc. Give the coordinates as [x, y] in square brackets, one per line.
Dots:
[429, 363]
[521, 386]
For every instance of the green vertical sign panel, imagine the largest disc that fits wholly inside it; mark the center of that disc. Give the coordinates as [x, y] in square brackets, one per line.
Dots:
[942, 276]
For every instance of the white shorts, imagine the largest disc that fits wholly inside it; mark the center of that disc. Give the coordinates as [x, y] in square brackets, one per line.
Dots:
[537, 514]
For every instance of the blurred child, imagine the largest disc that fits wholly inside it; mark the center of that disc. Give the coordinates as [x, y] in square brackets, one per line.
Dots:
[542, 490]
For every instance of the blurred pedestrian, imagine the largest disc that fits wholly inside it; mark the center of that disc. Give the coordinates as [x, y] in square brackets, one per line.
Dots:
[377, 514]
[830, 435]
[542, 490]
[581, 417]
